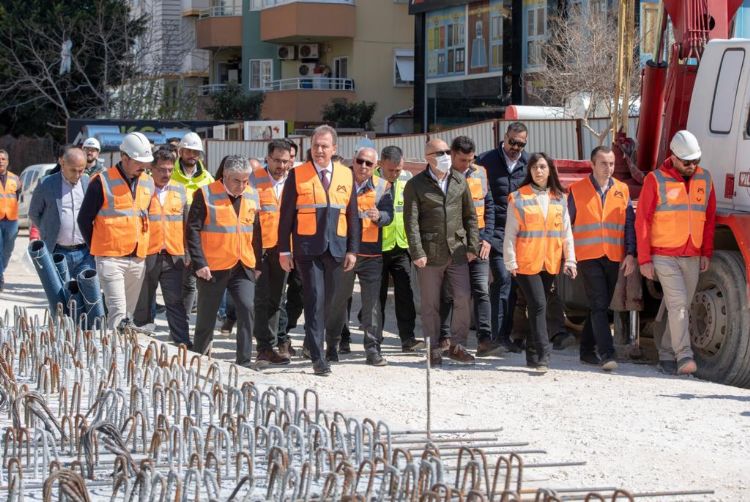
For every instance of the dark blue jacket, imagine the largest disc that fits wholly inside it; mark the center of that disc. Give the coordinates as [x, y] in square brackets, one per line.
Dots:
[44, 210]
[501, 184]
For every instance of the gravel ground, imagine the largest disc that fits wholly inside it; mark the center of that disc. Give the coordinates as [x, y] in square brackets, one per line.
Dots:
[634, 428]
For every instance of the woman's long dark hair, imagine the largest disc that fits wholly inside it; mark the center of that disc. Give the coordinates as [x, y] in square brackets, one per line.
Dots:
[553, 183]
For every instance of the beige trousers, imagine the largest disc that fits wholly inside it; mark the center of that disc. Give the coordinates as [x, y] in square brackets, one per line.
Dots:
[121, 280]
[678, 276]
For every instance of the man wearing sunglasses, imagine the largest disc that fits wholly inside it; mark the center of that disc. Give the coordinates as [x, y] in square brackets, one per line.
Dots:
[506, 170]
[675, 233]
[375, 205]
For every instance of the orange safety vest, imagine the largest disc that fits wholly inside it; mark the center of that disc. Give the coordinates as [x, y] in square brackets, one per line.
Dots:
[121, 225]
[369, 199]
[540, 240]
[476, 178]
[600, 231]
[680, 215]
[312, 198]
[269, 206]
[8, 197]
[166, 226]
[226, 237]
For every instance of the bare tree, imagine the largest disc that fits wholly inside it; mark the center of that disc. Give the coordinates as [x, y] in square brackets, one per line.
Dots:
[579, 74]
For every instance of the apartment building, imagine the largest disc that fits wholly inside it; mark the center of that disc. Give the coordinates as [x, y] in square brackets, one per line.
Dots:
[304, 53]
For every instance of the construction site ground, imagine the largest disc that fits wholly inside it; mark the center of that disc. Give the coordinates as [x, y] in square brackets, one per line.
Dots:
[635, 428]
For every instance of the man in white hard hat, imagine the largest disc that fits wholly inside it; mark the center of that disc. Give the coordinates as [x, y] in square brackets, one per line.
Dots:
[92, 148]
[190, 172]
[675, 234]
[113, 220]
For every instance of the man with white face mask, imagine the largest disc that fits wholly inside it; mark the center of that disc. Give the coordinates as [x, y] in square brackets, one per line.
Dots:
[441, 227]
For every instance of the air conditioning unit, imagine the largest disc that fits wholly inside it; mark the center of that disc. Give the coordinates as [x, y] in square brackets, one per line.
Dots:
[306, 69]
[308, 51]
[287, 52]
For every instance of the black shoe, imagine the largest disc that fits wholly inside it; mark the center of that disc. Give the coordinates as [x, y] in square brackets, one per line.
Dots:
[412, 345]
[510, 346]
[226, 327]
[160, 309]
[332, 356]
[562, 341]
[667, 367]
[375, 359]
[321, 368]
[344, 347]
[590, 358]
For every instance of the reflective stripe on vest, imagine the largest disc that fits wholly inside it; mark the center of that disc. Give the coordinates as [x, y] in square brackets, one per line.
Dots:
[314, 202]
[369, 199]
[476, 178]
[121, 225]
[8, 197]
[680, 215]
[269, 206]
[600, 230]
[394, 234]
[166, 226]
[539, 241]
[227, 237]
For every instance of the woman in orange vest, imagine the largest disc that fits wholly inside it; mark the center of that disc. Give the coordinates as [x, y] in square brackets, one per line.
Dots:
[537, 234]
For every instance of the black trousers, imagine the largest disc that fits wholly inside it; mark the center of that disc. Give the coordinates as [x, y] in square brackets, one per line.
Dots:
[321, 277]
[535, 289]
[240, 283]
[599, 278]
[479, 275]
[369, 271]
[397, 264]
[165, 270]
[269, 292]
[293, 305]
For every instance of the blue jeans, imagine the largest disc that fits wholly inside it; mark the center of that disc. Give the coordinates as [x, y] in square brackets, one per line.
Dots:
[502, 298]
[8, 234]
[78, 260]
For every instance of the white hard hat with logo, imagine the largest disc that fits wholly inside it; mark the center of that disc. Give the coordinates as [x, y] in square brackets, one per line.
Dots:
[191, 141]
[685, 146]
[92, 143]
[136, 146]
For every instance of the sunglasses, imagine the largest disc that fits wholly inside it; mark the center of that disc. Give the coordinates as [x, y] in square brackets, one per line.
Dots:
[519, 144]
[367, 163]
[440, 153]
[693, 162]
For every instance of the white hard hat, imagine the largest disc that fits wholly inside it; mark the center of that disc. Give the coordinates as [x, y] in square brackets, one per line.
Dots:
[685, 146]
[92, 143]
[136, 146]
[192, 141]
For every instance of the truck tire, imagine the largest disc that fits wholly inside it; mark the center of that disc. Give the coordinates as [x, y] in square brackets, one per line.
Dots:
[720, 322]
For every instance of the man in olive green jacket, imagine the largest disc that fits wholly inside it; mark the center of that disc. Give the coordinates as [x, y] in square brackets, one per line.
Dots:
[441, 227]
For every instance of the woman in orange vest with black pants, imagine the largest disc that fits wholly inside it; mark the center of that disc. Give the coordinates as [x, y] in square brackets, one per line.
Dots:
[537, 234]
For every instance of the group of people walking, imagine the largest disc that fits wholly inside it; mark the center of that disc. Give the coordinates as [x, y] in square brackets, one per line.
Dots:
[480, 230]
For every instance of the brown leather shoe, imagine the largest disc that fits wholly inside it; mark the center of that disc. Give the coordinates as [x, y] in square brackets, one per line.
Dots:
[445, 344]
[269, 357]
[488, 347]
[285, 349]
[458, 353]
[436, 358]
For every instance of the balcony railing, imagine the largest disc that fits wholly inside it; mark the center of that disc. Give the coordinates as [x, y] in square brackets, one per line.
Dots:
[267, 4]
[221, 11]
[207, 90]
[311, 83]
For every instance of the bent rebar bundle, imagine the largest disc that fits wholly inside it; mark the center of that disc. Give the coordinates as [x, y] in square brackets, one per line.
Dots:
[93, 415]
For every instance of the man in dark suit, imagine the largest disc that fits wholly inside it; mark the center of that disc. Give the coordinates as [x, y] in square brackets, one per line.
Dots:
[319, 214]
[54, 210]
[506, 169]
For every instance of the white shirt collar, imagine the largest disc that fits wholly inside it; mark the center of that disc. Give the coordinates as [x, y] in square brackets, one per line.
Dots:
[328, 168]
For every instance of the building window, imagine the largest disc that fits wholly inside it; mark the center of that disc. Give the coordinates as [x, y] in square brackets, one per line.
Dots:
[403, 67]
[536, 34]
[261, 73]
[256, 5]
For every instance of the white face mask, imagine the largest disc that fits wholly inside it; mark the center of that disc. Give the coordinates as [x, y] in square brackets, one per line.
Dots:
[443, 163]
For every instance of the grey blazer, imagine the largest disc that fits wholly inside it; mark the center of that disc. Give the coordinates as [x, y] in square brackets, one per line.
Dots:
[44, 209]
